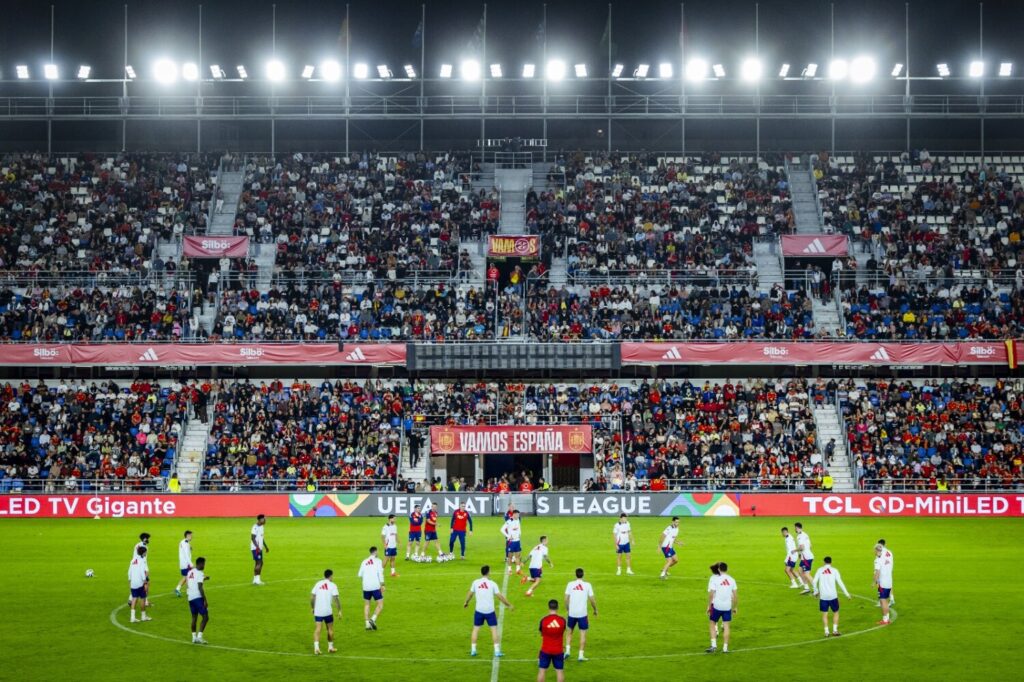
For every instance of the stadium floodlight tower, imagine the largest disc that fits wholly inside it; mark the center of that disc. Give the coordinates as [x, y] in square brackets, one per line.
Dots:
[469, 70]
[165, 71]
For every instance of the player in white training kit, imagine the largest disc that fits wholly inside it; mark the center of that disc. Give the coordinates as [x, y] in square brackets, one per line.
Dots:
[485, 590]
[184, 560]
[803, 546]
[371, 571]
[668, 540]
[513, 532]
[577, 594]
[389, 538]
[622, 532]
[138, 576]
[323, 600]
[143, 542]
[538, 555]
[827, 583]
[883, 578]
[258, 545]
[197, 602]
[796, 580]
[722, 603]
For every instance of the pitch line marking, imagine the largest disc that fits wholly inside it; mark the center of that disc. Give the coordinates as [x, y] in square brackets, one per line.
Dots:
[496, 663]
[494, 668]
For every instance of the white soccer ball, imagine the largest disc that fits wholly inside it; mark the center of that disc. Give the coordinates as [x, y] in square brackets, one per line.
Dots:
[428, 559]
[89, 573]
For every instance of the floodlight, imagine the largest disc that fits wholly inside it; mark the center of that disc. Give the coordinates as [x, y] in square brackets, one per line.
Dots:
[696, 70]
[469, 70]
[617, 71]
[410, 71]
[838, 69]
[496, 71]
[581, 70]
[383, 71]
[897, 70]
[862, 69]
[129, 71]
[216, 71]
[750, 69]
[811, 71]
[361, 71]
[642, 70]
[330, 70]
[976, 69]
[275, 70]
[718, 70]
[943, 69]
[1006, 69]
[242, 73]
[165, 71]
[50, 72]
[84, 71]
[784, 71]
[446, 71]
[555, 70]
[529, 70]
[190, 71]
[22, 71]
[307, 71]
[665, 70]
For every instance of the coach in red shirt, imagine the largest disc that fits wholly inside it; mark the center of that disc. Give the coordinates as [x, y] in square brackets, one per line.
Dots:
[552, 646]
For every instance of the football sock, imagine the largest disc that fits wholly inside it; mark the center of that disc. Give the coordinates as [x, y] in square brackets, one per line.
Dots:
[374, 618]
[133, 614]
[472, 648]
[580, 655]
[497, 648]
[714, 642]
[725, 647]
[885, 618]
[835, 627]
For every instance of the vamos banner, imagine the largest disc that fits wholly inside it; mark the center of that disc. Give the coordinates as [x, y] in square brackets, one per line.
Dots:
[382, 504]
[513, 246]
[866, 504]
[519, 440]
[216, 247]
[141, 506]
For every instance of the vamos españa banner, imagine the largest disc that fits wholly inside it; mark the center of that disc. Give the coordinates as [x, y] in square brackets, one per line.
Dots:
[163, 354]
[816, 353]
[882, 504]
[519, 440]
[513, 246]
[216, 247]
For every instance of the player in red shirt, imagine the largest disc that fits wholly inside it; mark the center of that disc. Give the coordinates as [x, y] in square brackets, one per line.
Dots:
[552, 645]
[430, 532]
[460, 519]
[415, 528]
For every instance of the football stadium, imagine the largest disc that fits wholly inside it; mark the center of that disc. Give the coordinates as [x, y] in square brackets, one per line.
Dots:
[511, 341]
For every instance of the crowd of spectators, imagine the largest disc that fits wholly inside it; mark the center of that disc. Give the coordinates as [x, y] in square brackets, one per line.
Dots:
[943, 434]
[75, 435]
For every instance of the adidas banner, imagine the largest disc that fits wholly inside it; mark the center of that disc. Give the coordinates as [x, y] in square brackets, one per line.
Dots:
[815, 246]
[203, 354]
[815, 353]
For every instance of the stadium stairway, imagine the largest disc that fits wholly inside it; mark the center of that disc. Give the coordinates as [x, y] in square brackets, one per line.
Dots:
[827, 421]
[769, 269]
[478, 255]
[224, 222]
[419, 472]
[805, 206]
[513, 183]
[826, 316]
[192, 455]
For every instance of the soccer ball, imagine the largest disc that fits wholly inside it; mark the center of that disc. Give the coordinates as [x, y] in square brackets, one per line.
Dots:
[89, 573]
[428, 559]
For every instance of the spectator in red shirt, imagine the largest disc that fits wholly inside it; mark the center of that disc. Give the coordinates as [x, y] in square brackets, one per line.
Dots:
[552, 646]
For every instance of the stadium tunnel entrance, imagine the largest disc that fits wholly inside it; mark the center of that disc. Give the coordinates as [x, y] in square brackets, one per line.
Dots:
[559, 470]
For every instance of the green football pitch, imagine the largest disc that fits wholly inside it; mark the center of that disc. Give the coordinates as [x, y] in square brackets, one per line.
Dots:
[958, 609]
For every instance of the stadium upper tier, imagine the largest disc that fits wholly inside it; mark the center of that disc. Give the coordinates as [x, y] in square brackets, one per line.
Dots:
[378, 247]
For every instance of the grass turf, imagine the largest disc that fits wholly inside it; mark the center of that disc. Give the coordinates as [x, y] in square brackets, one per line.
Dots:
[958, 602]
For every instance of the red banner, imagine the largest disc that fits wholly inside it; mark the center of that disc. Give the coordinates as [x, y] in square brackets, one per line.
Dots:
[116, 506]
[140, 354]
[881, 504]
[519, 440]
[513, 246]
[815, 353]
[815, 246]
[216, 247]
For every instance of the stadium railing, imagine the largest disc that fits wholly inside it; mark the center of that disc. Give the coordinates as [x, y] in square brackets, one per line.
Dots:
[271, 485]
[965, 484]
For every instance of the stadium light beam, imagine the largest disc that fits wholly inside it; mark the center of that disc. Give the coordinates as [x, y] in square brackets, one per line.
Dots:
[555, 70]
[307, 71]
[165, 71]
[838, 69]
[665, 70]
[580, 70]
[469, 70]
[410, 71]
[496, 71]
[976, 69]
[330, 70]
[529, 70]
[190, 71]
[50, 72]
[750, 69]
[1006, 69]
[943, 69]
[862, 69]
[22, 71]
[446, 71]
[617, 70]
[784, 71]
[696, 70]
[718, 70]
[242, 73]
[275, 70]
[642, 70]
[897, 70]
[83, 71]
[810, 71]
[361, 71]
